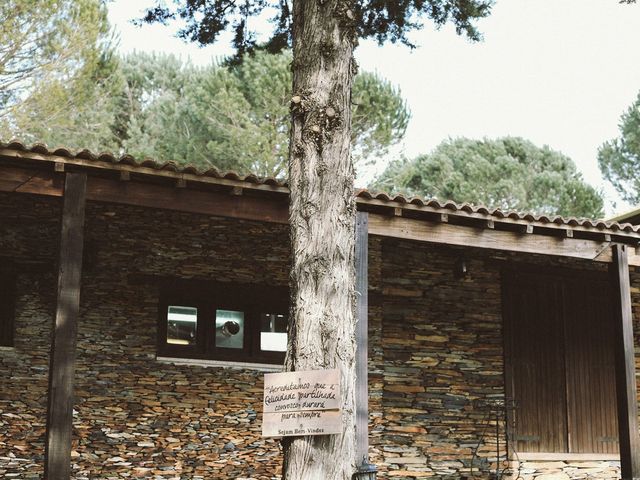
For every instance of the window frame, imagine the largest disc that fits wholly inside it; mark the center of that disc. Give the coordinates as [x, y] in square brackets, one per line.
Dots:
[207, 297]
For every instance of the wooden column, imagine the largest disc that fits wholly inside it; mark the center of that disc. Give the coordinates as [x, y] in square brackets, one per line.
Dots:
[362, 334]
[62, 358]
[626, 391]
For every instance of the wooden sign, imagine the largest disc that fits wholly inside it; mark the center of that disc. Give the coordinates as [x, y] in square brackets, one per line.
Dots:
[301, 403]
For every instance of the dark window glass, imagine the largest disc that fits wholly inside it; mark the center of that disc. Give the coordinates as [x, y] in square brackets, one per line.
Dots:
[182, 325]
[229, 329]
[7, 308]
[273, 332]
[223, 321]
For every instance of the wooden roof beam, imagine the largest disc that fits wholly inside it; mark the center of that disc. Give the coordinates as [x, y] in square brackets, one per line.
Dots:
[267, 209]
[218, 204]
[446, 234]
[498, 221]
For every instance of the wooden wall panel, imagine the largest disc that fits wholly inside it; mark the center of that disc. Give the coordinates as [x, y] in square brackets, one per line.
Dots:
[560, 365]
[590, 368]
[536, 367]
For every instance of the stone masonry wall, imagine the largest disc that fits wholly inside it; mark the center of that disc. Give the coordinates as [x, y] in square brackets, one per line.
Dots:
[29, 228]
[436, 356]
[442, 359]
[443, 366]
[135, 417]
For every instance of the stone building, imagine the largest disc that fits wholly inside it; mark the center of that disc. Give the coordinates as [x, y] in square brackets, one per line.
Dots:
[491, 334]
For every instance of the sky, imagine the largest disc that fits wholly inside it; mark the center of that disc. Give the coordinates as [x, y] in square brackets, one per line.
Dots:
[557, 72]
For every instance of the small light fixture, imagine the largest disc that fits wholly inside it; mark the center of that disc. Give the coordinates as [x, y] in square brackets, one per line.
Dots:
[230, 328]
[366, 471]
[460, 269]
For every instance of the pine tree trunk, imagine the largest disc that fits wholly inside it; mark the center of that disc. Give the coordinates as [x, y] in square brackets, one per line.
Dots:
[322, 218]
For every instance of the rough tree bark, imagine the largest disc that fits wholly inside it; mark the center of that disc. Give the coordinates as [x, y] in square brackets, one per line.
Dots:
[322, 219]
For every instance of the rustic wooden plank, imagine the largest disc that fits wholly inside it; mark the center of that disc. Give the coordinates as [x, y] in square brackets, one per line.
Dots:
[589, 362]
[532, 309]
[626, 391]
[44, 183]
[22, 180]
[62, 358]
[11, 178]
[362, 334]
[448, 234]
[186, 200]
[150, 195]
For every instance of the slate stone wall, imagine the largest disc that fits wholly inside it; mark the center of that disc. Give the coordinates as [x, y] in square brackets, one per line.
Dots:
[29, 228]
[436, 358]
[442, 361]
[442, 366]
[135, 417]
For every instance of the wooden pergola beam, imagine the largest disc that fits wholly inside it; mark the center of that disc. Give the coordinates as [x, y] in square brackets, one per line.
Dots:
[150, 195]
[62, 357]
[362, 337]
[448, 234]
[186, 200]
[464, 215]
[626, 391]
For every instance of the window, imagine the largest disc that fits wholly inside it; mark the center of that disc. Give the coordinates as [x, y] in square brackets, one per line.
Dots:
[223, 321]
[7, 308]
[559, 349]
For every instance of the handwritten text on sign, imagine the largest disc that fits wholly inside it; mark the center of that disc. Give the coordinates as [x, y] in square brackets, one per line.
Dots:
[301, 403]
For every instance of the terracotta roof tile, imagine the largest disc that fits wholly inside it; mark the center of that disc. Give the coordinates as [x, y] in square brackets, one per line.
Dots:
[364, 195]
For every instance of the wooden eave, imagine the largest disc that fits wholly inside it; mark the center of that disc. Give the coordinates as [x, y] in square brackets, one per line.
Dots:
[632, 216]
[251, 198]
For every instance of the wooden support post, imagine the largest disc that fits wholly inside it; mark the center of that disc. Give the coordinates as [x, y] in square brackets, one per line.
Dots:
[625, 366]
[362, 334]
[62, 358]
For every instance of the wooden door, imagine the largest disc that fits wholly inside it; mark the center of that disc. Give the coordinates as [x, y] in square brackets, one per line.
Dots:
[536, 363]
[591, 388]
[559, 362]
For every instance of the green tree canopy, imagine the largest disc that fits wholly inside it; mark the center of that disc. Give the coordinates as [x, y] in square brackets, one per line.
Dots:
[237, 117]
[81, 112]
[382, 20]
[509, 173]
[230, 117]
[44, 42]
[619, 159]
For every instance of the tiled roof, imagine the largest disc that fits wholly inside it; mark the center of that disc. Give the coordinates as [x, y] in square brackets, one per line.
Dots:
[483, 212]
[366, 199]
[128, 160]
